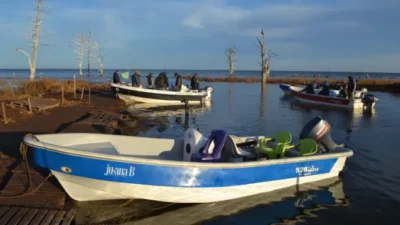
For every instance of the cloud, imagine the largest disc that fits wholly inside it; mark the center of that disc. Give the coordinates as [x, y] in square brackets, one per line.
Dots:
[211, 15]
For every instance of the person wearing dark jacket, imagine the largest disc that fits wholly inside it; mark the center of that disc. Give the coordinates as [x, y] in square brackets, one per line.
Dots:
[178, 82]
[136, 79]
[309, 89]
[194, 83]
[325, 89]
[116, 79]
[351, 87]
[150, 80]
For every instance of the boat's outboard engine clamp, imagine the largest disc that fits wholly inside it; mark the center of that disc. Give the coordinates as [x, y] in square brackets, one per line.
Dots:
[369, 101]
[320, 131]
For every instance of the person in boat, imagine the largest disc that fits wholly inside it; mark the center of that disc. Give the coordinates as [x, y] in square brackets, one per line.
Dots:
[309, 89]
[325, 89]
[136, 79]
[342, 90]
[178, 82]
[150, 80]
[194, 83]
[351, 87]
[161, 81]
[116, 79]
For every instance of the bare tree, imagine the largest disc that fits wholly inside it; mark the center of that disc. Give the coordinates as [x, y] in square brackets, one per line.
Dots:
[265, 58]
[89, 52]
[80, 40]
[35, 40]
[230, 54]
[100, 57]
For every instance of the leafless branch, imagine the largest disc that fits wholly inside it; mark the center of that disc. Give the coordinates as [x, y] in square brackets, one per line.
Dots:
[100, 57]
[230, 54]
[80, 40]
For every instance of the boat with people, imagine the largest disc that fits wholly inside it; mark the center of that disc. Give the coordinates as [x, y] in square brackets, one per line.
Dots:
[362, 99]
[168, 96]
[192, 169]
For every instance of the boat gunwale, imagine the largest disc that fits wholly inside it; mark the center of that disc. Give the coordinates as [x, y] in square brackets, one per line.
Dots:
[30, 141]
[155, 91]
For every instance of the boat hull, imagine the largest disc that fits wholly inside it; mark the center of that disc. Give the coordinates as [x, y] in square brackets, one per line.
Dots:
[89, 179]
[143, 95]
[331, 100]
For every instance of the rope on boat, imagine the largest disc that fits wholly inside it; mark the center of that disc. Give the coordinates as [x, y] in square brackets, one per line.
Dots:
[23, 149]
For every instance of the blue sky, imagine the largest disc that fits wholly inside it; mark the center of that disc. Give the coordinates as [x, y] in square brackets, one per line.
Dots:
[339, 35]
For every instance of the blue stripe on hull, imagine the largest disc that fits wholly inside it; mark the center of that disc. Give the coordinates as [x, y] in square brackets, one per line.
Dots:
[136, 173]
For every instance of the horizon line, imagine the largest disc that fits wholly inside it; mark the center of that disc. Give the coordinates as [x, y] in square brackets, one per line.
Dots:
[251, 70]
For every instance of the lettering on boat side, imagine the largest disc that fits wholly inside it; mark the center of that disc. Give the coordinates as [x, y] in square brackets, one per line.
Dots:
[304, 171]
[119, 172]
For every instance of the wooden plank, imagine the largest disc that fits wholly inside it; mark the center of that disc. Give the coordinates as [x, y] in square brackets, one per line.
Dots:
[28, 217]
[39, 216]
[58, 218]
[8, 215]
[69, 217]
[3, 210]
[49, 217]
[17, 217]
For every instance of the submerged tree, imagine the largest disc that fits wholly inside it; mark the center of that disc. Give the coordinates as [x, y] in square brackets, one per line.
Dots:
[89, 52]
[230, 54]
[265, 58]
[80, 40]
[100, 57]
[37, 22]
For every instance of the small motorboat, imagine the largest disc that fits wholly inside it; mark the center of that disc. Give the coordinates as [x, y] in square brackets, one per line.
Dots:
[362, 99]
[169, 97]
[195, 169]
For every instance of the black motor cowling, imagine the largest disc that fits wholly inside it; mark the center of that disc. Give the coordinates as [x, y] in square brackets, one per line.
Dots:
[320, 131]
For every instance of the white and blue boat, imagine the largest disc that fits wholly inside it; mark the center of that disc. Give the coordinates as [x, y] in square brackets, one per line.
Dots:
[196, 169]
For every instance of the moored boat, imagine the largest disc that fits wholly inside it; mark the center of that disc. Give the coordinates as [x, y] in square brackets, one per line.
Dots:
[362, 99]
[148, 95]
[196, 169]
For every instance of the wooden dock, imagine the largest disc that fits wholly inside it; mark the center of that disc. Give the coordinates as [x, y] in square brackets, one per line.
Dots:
[32, 216]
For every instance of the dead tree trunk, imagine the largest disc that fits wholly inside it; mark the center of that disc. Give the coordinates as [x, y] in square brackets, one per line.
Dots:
[89, 52]
[265, 58]
[230, 54]
[35, 41]
[99, 57]
[80, 40]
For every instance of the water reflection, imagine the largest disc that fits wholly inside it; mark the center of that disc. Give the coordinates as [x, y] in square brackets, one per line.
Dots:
[287, 204]
[176, 117]
[263, 104]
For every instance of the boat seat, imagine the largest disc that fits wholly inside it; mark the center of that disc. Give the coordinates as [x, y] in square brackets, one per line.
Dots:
[270, 146]
[246, 149]
[218, 137]
[303, 147]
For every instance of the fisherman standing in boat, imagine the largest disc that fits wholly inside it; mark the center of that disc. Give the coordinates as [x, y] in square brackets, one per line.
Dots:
[150, 80]
[194, 83]
[178, 82]
[136, 79]
[116, 79]
[162, 81]
[351, 87]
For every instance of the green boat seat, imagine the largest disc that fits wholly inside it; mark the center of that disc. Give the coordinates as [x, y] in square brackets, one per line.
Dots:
[268, 146]
[306, 147]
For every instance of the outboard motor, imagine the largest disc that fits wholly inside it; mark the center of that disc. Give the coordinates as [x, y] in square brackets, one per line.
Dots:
[320, 131]
[369, 101]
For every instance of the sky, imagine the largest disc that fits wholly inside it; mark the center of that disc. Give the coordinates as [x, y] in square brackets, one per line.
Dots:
[306, 35]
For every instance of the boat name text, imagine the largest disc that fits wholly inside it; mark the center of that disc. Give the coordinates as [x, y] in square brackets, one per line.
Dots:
[120, 172]
[306, 170]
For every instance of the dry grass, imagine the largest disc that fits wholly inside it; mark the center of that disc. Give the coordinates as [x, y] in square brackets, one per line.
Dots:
[226, 79]
[42, 87]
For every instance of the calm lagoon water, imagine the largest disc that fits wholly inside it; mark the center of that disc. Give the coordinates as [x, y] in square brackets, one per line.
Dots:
[368, 193]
